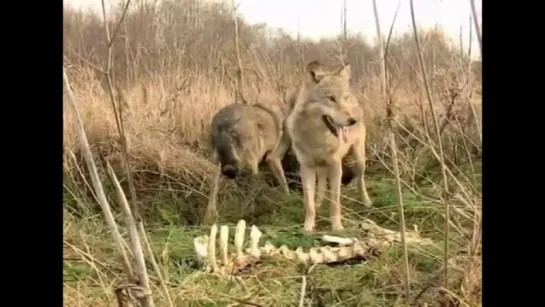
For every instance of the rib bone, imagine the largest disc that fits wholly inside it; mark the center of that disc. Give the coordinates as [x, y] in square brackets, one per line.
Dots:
[224, 239]
[212, 248]
[255, 235]
[239, 238]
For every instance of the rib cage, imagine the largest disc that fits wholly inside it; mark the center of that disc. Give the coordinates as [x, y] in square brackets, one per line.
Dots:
[376, 240]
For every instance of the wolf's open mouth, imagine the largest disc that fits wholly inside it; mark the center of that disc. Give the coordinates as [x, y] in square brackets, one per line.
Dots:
[337, 130]
[330, 125]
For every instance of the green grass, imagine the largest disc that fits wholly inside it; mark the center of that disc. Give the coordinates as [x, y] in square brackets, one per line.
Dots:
[91, 271]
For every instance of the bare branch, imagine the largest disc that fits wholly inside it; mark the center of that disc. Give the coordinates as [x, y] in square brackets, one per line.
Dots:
[133, 236]
[135, 212]
[97, 185]
[391, 31]
[393, 147]
[303, 291]
[123, 14]
[477, 27]
[439, 140]
[239, 96]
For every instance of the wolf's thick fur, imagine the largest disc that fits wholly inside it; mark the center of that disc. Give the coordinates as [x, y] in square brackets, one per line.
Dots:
[325, 125]
[242, 136]
[289, 161]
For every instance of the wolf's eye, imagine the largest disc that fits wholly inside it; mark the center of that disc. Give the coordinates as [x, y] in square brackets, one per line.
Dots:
[332, 99]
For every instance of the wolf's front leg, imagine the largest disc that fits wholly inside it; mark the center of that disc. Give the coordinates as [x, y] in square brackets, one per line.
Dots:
[321, 186]
[211, 212]
[308, 179]
[335, 173]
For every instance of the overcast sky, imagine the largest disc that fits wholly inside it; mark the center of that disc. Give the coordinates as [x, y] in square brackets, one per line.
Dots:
[321, 18]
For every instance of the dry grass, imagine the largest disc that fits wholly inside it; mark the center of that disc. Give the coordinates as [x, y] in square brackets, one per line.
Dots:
[174, 74]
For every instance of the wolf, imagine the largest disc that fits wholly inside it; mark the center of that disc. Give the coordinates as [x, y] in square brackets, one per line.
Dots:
[324, 126]
[284, 152]
[242, 136]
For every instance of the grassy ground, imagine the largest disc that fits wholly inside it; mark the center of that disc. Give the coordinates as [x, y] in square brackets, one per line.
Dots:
[172, 190]
[91, 269]
[174, 67]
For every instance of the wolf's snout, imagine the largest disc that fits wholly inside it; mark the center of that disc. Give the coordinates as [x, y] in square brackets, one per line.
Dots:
[229, 171]
[351, 121]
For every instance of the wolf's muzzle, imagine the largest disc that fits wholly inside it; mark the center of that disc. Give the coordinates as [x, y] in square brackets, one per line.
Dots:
[229, 171]
[352, 121]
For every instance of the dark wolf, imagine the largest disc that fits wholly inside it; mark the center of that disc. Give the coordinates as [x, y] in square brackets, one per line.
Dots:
[242, 136]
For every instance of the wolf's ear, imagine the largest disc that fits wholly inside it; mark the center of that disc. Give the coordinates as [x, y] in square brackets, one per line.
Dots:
[344, 72]
[316, 71]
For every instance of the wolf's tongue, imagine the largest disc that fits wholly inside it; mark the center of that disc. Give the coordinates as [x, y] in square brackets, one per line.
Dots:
[342, 134]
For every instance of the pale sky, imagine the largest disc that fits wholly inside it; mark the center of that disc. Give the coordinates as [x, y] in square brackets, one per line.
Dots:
[322, 18]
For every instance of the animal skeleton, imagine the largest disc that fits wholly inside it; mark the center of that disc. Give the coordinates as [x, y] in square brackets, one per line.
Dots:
[376, 240]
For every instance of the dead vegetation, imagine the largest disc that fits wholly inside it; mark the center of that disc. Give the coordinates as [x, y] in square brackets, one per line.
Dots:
[175, 65]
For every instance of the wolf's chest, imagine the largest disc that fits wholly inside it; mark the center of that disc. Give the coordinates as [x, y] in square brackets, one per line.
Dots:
[320, 152]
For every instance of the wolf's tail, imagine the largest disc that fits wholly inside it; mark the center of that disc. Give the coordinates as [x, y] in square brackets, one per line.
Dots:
[348, 174]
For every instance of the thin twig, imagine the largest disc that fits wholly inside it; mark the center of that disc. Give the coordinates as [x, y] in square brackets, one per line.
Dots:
[393, 147]
[130, 224]
[391, 31]
[154, 264]
[97, 185]
[471, 107]
[123, 14]
[469, 44]
[344, 52]
[135, 212]
[118, 114]
[477, 26]
[439, 140]
[303, 291]
[240, 80]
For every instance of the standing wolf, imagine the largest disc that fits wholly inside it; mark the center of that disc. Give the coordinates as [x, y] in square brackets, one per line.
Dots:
[325, 125]
[243, 135]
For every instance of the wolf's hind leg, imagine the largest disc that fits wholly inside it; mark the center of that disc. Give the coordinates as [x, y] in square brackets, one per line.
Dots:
[358, 151]
[274, 160]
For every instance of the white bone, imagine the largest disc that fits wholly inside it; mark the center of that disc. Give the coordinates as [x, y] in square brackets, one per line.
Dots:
[268, 249]
[205, 247]
[212, 248]
[345, 253]
[255, 235]
[286, 252]
[224, 239]
[329, 255]
[201, 247]
[316, 256]
[239, 237]
[301, 255]
[338, 240]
